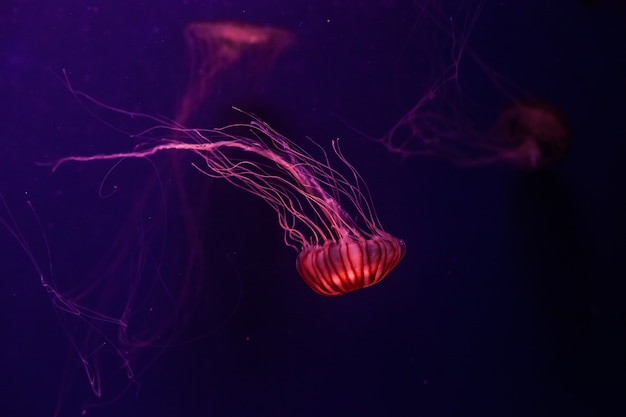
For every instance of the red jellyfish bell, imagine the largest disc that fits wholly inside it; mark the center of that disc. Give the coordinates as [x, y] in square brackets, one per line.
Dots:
[336, 268]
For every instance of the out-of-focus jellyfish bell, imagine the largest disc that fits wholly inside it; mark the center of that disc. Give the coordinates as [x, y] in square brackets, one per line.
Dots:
[214, 47]
[532, 135]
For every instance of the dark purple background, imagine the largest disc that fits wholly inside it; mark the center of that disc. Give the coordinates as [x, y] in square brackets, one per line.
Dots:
[507, 303]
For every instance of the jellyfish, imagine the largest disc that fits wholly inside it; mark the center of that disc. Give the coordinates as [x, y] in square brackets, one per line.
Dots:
[529, 134]
[337, 253]
[126, 306]
[215, 47]
[466, 112]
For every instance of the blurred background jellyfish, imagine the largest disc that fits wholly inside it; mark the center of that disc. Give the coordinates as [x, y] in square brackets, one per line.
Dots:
[228, 61]
[337, 253]
[215, 49]
[466, 112]
[529, 135]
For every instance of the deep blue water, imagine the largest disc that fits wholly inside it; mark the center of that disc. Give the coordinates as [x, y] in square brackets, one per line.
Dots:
[509, 301]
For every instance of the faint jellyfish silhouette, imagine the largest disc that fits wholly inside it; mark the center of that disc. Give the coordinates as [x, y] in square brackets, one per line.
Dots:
[227, 59]
[447, 122]
[215, 47]
[228, 62]
[530, 135]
